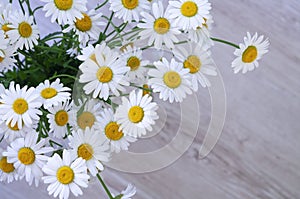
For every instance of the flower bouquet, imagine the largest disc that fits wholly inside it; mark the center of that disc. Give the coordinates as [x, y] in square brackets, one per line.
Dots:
[72, 99]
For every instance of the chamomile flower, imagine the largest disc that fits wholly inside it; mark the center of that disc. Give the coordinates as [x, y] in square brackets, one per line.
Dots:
[110, 128]
[198, 61]
[85, 114]
[92, 147]
[5, 15]
[8, 173]
[189, 14]
[157, 28]
[20, 106]
[13, 132]
[7, 62]
[88, 27]
[28, 157]
[64, 11]
[24, 32]
[129, 192]
[53, 94]
[87, 52]
[202, 34]
[58, 118]
[128, 10]
[134, 60]
[170, 80]
[137, 114]
[249, 53]
[65, 175]
[104, 75]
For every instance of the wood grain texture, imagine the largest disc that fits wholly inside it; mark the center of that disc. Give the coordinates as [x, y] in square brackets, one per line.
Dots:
[258, 154]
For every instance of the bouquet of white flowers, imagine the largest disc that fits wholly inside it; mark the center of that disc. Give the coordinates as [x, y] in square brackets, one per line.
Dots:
[71, 99]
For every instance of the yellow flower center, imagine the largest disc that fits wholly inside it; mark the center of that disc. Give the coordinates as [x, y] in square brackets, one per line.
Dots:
[189, 9]
[134, 63]
[130, 4]
[26, 155]
[1, 58]
[193, 63]
[161, 25]
[112, 131]
[63, 4]
[25, 29]
[20, 106]
[5, 28]
[136, 114]
[84, 24]
[145, 91]
[172, 79]
[48, 93]
[85, 151]
[86, 119]
[104, 74]
[250, 54]
[65, 175]
[5, 166]
[61, 118]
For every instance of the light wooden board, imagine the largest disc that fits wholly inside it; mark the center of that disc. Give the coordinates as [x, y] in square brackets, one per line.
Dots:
[258, 154]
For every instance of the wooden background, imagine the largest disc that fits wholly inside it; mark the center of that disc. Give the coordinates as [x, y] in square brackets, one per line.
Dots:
[258, 154]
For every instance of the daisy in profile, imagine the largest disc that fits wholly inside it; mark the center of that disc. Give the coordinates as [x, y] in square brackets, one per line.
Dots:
[7, 62]
[104, 75]
[170, 80]
[24, 32]
[53, 94]
[134, 60]
[20, 106]
[249, 53]
[189, 14]
[128, 10]
[8, 173]
[85, 114]
[5, 14]
[198, 61]
[59, 118]
[92, 147]
[64, 175]
[202, 34]
[137, 114]
[87, 27]
[27, 156]
[110, 128]
[64, 11]
[87, 52]
[128, 193]
[157, 27]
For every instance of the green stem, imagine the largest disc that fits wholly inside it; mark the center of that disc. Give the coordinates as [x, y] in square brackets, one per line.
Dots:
[62, 75]
[1, 138]
[109, 22]
[225, 42]
[105, 187]
[100, 6]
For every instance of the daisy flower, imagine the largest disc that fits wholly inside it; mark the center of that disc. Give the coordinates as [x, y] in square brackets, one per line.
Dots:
[116, 138]
[20, 106]
[85, 114]
[28, 157]
[87, 52]
[53, 94]
[249, 53]
[58, 118]
[158, 29]
[65, 175]
[5, 14]
[128, 10]
[128, 193]
[104, 75]
[64, 11]
[24, 32]
[7, 62]
[170, 80]
[87, 27]
[137, 114]
[189, 14]
[198, 61]
[12, 132]
[202, 34]
[92, 147]
[8, 173]
[134, 60]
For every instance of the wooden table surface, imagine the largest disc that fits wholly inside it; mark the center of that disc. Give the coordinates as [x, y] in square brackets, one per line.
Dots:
[258, 153]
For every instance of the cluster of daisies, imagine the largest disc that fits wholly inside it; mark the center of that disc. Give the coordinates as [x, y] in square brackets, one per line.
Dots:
[139, 50]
